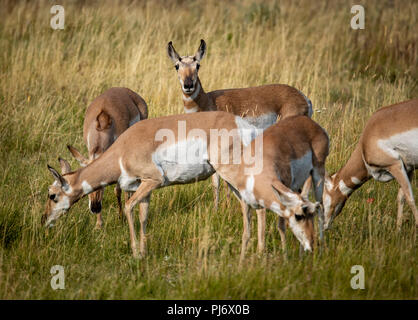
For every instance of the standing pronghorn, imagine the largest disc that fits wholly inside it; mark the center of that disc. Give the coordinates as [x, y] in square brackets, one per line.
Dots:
[260, 105]
[293, 150]
[106, 118]
[155, 153]
[387, 149]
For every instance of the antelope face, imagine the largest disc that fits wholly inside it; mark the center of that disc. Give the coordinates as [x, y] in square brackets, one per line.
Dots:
[333, 200]
[187, 67]
[59, 198]
[300, 214]
[301, 222]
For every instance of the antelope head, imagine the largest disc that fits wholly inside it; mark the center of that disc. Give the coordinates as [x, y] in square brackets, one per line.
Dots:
[187, 67]
[61, 195]
[299, 212]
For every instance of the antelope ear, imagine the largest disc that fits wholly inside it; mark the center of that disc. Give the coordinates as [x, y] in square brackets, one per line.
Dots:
[172, 53]
[59, 178]
[78, 156]
[103, 121]
[287, 198]
[65, 166]
[306, 188]
[201, 51]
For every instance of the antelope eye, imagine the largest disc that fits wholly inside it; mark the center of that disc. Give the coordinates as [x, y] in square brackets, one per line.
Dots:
[52, 197]
[298, 217]
[176, 66]
[305, 210]
[197, 66]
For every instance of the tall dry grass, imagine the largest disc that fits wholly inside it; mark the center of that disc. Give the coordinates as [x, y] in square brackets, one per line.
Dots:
[49, 77]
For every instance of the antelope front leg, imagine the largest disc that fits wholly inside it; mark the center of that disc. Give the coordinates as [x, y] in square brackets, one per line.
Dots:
[401, 201]
[247, 228]
[99, 221]
[143, 216]
[318, 178]
[118, 193]
[403, 178]
[282, 232]
[261, 229]
[140, 194]
[215, 184]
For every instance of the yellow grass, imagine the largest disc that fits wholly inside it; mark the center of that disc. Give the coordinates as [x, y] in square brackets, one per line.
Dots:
[48, 77]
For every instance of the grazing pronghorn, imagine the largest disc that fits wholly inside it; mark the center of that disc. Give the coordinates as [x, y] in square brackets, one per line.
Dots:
[106, 118]
[153, 153]
[293, 150]
[387, 149]
[260, 105]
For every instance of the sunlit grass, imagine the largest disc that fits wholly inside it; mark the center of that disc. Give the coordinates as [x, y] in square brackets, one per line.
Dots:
[49, 77]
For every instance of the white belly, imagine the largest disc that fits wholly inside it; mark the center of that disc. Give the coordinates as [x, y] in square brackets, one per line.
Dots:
[183, 162]
[402, 146]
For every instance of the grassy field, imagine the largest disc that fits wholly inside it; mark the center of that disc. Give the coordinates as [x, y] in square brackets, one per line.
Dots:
[48, 77]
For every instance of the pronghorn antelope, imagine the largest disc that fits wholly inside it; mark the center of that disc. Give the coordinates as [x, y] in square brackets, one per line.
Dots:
[260, 105]
[106, 118]
[387, 149]
[293, 150]
[150, 155]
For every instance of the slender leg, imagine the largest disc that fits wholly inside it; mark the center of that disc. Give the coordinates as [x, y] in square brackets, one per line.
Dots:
[261, 228]
[128, 195]
[215, 184]
[247, 227]
[318, 178]
[140, 194]
[143, 216]
[99, 221]
[282, 232]
[400, 174]
[118, 193]
[401, 201]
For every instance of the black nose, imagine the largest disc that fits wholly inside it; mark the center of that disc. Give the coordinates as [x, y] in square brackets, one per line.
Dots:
[188, 84]
[96, 207]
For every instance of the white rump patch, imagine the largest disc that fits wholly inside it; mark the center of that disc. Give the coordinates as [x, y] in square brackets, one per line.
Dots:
[184, 161]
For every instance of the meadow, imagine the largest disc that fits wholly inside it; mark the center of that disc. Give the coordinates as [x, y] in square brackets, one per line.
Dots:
[48, 77]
